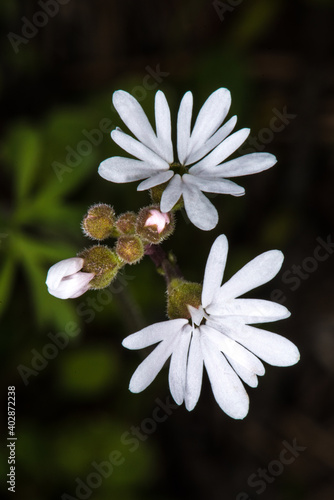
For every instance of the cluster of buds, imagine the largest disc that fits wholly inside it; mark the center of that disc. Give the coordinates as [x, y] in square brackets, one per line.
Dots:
[96, 267]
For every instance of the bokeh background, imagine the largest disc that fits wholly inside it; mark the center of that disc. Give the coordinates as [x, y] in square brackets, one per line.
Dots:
[73, 408]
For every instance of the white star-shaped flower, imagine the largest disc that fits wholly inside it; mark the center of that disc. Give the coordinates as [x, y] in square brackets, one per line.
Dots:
[219, 337]
[202, 151]
[65, 280]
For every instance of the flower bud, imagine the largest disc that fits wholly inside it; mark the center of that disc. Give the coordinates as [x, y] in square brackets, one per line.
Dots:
[153, 225]
[65, 280]
[130, 248]
[99, 222]
[182, 294]
[103, 262]
[126, 223]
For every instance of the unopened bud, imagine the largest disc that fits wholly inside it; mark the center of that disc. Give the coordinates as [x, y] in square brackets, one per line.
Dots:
[99, 222]
[103, 262]
[126, 223]
[182, 294]
[153, 225]
[130, 248]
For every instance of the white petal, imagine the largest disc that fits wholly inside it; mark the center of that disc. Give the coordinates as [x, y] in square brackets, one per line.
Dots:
[271, 347]
[119, 170]
[226, 386]
[155, 180]
[210, 117]
[221, 152]
[171, 194]
[199, 208]
[201, 150]
[150, 367]
[63, 268]
[214, 269]
[222, 186]
[194, 372]
[183, 126]
[139, 150]
[163, 126]
[135, 118]
[255, 273]
[196, 313]
[247, 165]
[178, 365]
[153, 333]
[73, 286]
[249, 310]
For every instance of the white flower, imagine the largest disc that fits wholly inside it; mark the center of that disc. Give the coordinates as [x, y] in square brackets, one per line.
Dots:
[218, 337]
[65, 279]
[202, 152]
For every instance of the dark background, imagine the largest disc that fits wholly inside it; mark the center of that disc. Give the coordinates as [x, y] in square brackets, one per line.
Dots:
[73, 408]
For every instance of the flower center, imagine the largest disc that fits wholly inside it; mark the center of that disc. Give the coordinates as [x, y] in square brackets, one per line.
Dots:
[178, 168]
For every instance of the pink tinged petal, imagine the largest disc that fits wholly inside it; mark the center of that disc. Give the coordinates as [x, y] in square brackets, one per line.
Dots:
[249, 310]
[247, 165]
[151, 366]
[178, 365]
[183, 126]
[194, 372]
[155, 180]
[202, 149]
[214, 269]
[221, 186]
[135, 119]
[120, 170]
[153, 334]
[255, 273]
[199, 208]
[221, 152]
[139, 150]
[227, 388]
[210, 117]
[62, 269]
[163, 126]
[270, 347]
[171, 194]
[158, 219]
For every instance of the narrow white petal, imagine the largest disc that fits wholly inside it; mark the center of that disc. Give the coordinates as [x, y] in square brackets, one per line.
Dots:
[178, 365]
[249, 310]
[247, 165]
[155, 180]
[183, 126]
[151, 366]
[255, 273]
[221, 152]
[222, 186]
[214, 269]
[63, 268]
[139, 150]
[196, 313]
[135, 118]
[201, 150]
[171, 194]
[163, 126]
[120, 170]
[153, 333]
[227, 388]
[210, 117]
[194, 372]
[270, 347]
[72, 286]
[199, 208]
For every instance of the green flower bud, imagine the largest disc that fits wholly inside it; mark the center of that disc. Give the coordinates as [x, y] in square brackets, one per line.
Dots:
[99, 222]
[126, 223]
[103, 262]
[153, 225]
[130, 248]
[182, 293]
